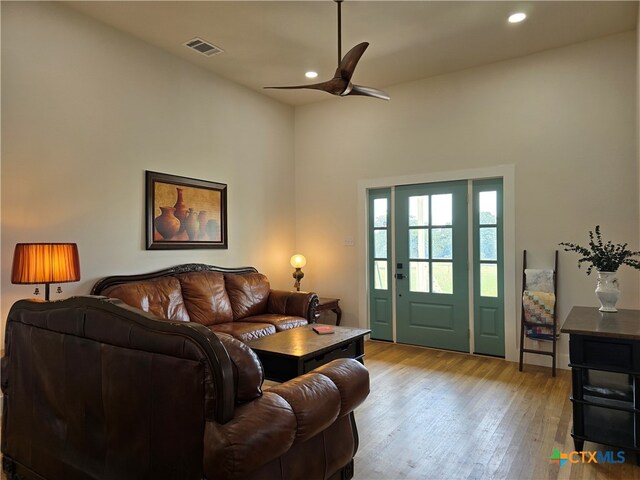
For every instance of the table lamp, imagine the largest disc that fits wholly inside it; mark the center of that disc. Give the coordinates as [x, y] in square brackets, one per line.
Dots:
[46, 263]
[298, 261]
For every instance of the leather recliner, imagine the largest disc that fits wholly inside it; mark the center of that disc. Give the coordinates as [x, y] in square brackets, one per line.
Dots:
[96, 389]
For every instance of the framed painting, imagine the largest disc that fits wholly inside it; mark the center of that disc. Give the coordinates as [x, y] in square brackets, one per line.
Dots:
[184, 212]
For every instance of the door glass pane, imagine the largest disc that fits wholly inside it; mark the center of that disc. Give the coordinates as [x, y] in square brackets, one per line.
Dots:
[441, 209]
[418, 243]
[488, 280]
[488, 206]
[380, 275]
[419, 211]
[380, 239]
[442, 243]
[488, 243]
[419, 276]
[380, 212]
[442, 277]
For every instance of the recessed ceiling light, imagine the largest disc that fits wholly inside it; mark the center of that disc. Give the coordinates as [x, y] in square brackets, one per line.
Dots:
[311, 74]
[517, 17]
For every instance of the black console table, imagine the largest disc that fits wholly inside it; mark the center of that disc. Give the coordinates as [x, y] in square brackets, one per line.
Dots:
[604, 352]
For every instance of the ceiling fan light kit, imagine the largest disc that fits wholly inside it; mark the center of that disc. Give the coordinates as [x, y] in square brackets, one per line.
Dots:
[340, 84]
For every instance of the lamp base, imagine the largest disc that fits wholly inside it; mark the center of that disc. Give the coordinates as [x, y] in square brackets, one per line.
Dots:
[46, 292]
[297, 275]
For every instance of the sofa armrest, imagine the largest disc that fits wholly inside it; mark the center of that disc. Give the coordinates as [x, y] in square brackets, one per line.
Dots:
[248, 373]
[294, 411]
[299, 304]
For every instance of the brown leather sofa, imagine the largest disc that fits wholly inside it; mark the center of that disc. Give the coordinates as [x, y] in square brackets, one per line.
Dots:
[237, 301]
[96, 389]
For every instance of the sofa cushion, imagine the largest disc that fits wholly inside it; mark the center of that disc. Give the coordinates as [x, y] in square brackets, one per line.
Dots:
[281, 322]
[249, 294]
[205, 297]
[248, 374]
[161, 297]
[244, 331]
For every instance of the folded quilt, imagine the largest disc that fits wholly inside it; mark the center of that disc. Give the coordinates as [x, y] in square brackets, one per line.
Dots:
[539, 308]
[540, 333]
[539, 280]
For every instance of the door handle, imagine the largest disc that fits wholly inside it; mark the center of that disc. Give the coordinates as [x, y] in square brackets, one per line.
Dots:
[399, 276]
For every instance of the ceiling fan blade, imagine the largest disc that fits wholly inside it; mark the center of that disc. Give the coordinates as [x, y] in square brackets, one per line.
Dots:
[341, 84]
[350, 60]
[335, 86]
[369, 92]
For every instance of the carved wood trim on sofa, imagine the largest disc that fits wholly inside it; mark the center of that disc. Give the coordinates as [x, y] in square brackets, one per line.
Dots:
[106, 282]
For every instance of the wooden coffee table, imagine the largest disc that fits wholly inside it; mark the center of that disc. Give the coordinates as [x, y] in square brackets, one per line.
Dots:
[286, 355]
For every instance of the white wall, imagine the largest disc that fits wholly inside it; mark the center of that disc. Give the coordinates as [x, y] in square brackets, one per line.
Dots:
[86, 110]
[565, 119]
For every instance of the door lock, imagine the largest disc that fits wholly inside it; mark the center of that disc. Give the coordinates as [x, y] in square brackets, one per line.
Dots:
[399, 276]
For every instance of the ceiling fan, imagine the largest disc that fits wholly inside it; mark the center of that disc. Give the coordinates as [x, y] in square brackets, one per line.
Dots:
[341, 84]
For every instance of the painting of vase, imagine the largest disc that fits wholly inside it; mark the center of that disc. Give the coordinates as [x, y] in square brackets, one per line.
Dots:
[185, 212]
[191, 224]
[167, 224]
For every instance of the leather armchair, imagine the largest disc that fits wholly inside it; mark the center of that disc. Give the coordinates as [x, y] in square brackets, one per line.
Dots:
[95, 389]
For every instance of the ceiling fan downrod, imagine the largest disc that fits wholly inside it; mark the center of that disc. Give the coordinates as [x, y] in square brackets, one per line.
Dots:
[339, 2]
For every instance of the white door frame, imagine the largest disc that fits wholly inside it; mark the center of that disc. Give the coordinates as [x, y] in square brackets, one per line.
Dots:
[507, 172]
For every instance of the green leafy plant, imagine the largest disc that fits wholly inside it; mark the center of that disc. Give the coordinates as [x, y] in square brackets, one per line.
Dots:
[604, 257]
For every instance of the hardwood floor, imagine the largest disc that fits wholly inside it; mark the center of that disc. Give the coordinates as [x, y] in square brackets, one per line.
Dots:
[441, 415]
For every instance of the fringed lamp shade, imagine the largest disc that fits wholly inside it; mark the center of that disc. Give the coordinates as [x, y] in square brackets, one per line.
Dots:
[45, 263]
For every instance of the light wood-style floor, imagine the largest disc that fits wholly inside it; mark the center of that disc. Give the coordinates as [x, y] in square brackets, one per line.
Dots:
[433, 414]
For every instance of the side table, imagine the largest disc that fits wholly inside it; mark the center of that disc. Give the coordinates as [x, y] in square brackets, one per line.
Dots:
[331, 304]
[604, 351]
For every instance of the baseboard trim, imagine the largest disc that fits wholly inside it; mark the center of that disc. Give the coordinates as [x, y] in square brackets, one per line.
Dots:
[562, 360]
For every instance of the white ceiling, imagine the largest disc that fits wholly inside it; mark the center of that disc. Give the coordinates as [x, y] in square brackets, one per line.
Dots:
[275, 42]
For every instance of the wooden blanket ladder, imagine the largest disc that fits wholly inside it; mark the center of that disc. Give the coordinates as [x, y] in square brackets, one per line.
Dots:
[524, 324]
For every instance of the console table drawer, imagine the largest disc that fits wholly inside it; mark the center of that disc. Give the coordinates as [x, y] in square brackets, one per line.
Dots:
[348, 350]
[613, 427]
[604, 353]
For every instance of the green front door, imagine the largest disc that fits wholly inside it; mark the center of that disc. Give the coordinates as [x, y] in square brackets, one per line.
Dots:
[431, 274]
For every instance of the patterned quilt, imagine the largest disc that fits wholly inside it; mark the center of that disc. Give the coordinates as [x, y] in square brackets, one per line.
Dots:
[539, 308]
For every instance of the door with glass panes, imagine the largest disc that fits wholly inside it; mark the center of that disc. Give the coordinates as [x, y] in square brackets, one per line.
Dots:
[432, 288]
[488, 267]
[425, 282]
[380, 267]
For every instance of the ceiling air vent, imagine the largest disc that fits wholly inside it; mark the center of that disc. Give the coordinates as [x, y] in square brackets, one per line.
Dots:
[203, 47]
